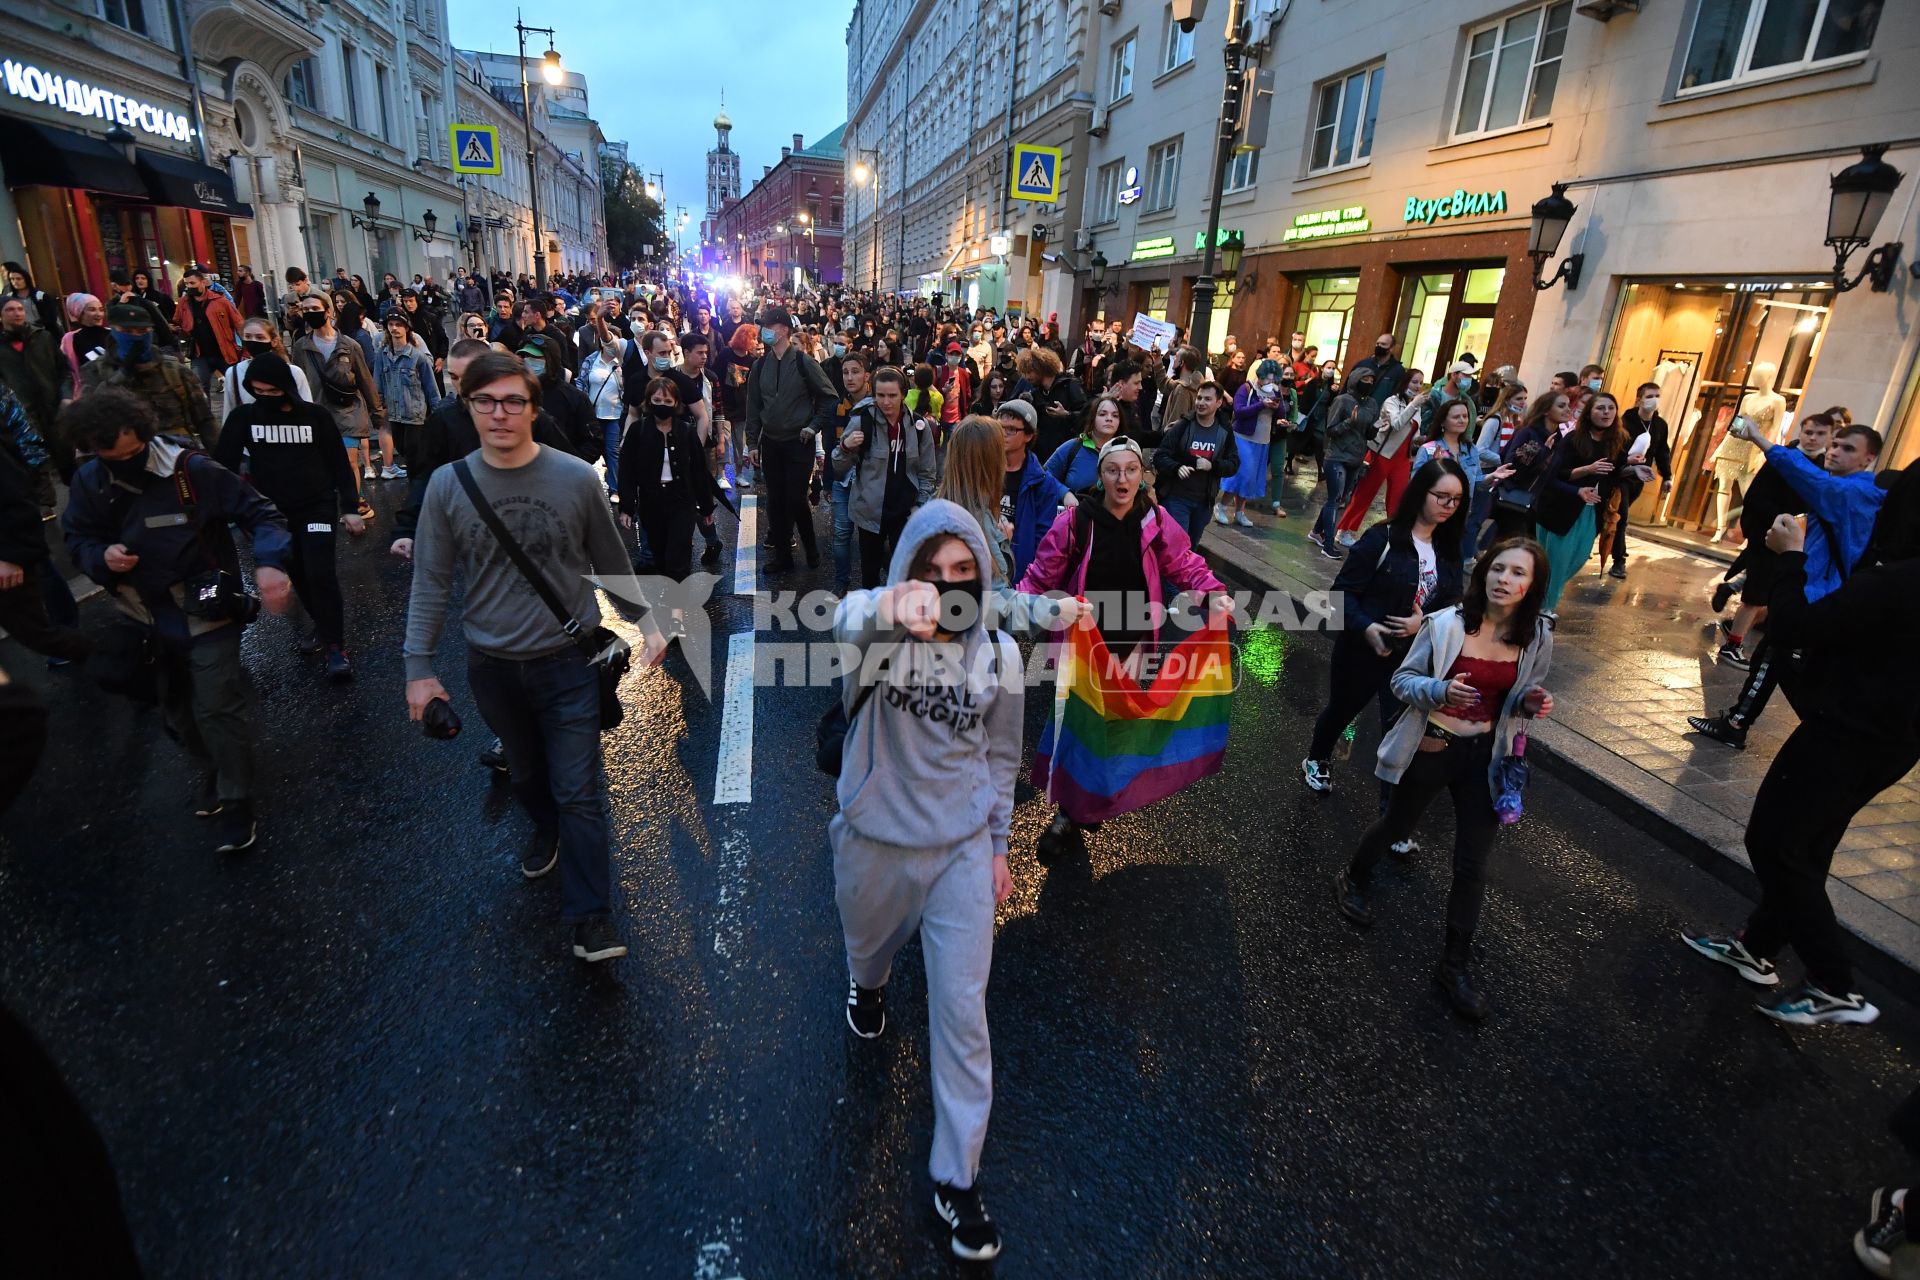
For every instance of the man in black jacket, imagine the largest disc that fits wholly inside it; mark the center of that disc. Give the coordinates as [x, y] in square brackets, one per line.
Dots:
[1859, 734]
[31, 366]
[789, 403]
[147, 518]
[295, 457]
[24, 559]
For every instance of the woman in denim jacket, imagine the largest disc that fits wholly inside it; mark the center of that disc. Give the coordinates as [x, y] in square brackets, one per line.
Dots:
[404, 373]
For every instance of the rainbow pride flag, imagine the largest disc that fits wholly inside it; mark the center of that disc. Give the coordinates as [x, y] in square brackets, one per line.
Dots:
[1113, 747]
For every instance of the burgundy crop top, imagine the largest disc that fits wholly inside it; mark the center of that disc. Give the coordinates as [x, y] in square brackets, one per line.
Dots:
[1492, 678]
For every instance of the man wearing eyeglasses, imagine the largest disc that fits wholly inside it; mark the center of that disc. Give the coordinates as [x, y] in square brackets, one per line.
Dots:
[533, 685]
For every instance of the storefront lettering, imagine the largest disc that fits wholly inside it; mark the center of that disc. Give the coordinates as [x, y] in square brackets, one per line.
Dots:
[82, 99]
[1158, 247]
[1350, 221]
[1226, 236]
[1461, 204]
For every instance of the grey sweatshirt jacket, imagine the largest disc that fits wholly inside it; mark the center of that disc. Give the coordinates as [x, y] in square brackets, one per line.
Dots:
[928, 763]
[556, 509]
[867, 494]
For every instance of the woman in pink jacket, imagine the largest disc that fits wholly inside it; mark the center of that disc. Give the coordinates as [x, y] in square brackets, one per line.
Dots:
[1126, 560]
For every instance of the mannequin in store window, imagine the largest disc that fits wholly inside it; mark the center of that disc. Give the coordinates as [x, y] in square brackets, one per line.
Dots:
[1736, 461]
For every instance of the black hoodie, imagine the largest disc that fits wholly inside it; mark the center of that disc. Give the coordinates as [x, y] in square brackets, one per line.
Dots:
[294, 453]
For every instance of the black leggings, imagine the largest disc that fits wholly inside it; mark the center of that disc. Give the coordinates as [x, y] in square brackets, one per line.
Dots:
[876, 549]
[666, 512]
[1460, 768]
[1357, 675]
[315, 574]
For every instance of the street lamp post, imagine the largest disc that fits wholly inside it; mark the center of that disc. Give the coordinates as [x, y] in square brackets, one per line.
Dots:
[1186, 13]
[551, 73]
[369, 225]
[865, 170]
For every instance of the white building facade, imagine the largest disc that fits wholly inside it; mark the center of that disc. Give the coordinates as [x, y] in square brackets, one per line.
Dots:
[567, 144]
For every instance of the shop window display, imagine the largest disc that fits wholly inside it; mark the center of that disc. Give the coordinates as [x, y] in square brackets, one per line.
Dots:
[1326, 314]
[1714, 346]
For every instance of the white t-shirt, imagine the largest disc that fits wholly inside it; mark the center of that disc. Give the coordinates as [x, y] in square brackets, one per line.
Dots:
[1429, 572]
[237, 382]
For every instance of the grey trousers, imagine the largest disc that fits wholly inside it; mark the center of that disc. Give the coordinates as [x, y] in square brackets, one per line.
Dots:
[887, 893]
[203, 695]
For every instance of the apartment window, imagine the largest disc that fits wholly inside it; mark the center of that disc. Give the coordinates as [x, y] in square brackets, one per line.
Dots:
[1179, 45]
[1244, 170]
[349, 76]
[1163, 175]
[1120, 81]
[1738, 39]
[1106, 201]
[303, 84]
[131, 14]
[1512, 69]
[1343, 122]
[380, 92]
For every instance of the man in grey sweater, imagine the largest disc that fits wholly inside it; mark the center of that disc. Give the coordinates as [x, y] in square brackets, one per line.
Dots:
[534, 686]
[789, 402]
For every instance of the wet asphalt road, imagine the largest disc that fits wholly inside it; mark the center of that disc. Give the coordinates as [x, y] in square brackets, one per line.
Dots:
[363, 1049]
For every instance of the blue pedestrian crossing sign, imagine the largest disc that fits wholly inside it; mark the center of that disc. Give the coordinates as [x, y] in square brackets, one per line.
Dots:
[476, 148]
[1036, 173]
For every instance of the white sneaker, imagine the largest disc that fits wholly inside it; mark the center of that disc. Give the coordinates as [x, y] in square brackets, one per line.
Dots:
[368, 473]
[1316, 775]
[1242, 521]
[398, 472]
[1220, 515]
[1346, 537]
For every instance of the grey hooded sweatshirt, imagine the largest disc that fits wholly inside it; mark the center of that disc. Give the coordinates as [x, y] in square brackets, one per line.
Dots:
[927, 763]
[869, 464]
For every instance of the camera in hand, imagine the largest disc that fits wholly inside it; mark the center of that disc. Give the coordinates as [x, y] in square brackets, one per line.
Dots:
[440, 720]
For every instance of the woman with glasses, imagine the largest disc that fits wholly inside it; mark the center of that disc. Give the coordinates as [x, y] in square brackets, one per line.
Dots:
[1396, 573]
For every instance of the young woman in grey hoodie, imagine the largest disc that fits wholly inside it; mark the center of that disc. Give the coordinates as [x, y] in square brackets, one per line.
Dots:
[934, 700]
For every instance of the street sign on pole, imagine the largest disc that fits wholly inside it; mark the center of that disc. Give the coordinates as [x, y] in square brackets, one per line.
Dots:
[476, 148]
[1036, 172]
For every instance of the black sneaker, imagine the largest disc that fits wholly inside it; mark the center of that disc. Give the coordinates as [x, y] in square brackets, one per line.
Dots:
[540, 855]
[1886, 1230]
[1618, 569]
[236, 827]
[596, 939]
[975, 1237]
[866, 1010]
[1351, 899]
[1812, 1007]
[338, 668]
[207, 803]
[1732, 655]
[1060, 842]
[495, 757]
[711, 555]
[1733, 953]
[1720, 729]
[1722, 592]
[309, 644]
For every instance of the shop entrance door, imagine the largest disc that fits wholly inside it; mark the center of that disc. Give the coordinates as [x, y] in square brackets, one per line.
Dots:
[1447, 314]
[1737, 324]
[1326, 314]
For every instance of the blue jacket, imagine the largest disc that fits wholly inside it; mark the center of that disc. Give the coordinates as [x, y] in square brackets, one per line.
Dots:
[1381, 575]
[145, 517]
[405, 379]
[1075, 464]
[1839, 508]
[1033, 512]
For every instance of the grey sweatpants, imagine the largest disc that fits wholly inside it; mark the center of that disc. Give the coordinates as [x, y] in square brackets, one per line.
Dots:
[886, 893]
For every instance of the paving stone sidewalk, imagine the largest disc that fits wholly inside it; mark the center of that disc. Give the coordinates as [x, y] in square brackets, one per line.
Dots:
[1632, 660]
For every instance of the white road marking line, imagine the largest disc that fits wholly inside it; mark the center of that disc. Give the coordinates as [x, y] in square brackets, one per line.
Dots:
[731, 868]
[746, 554]
[733, 775]
[715, 1260]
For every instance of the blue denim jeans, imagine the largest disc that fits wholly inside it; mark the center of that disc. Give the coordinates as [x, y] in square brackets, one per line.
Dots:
[1191, 516]
[610, 433]
[546, 712]
[842, 495]
[1341, 477]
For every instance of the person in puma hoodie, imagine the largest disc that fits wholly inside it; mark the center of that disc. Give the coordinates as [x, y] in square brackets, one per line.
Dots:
[295, 458]
[925, 808]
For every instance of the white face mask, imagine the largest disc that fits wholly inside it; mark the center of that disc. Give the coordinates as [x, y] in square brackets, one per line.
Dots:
[1650, 403]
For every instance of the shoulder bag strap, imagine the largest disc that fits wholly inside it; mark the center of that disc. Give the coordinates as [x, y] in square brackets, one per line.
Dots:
[535, 579]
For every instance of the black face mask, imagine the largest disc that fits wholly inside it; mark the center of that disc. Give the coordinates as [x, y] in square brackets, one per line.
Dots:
[959, 604]
[662, 411]
[128, 469]
[313, 319]
[256, 346]
[1381, 351]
